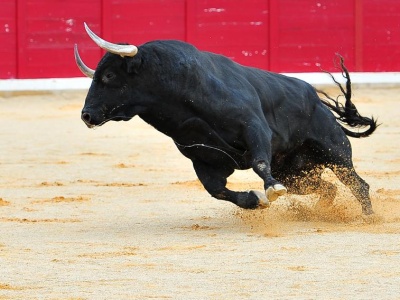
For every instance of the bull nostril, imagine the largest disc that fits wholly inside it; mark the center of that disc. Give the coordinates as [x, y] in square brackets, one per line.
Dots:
[86, 117]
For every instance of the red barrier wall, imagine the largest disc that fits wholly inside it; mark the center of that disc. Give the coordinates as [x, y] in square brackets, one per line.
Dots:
[238, 31]
[8, 39]
[47, 31]
[379, 34]
[37, 36]
[307, 36]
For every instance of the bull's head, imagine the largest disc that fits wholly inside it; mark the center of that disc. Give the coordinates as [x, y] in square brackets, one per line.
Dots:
[109, 97]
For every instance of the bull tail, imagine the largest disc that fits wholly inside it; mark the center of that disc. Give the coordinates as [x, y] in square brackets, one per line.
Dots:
[348, 114]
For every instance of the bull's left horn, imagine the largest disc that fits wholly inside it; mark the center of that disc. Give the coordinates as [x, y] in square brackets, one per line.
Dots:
[84, 69]
[123, 50]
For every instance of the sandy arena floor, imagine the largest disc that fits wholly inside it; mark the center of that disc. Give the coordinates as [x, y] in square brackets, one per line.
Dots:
[117, 213]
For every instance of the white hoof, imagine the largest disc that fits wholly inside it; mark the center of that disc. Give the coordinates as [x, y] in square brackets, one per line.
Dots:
[273, 192]
[262, 199]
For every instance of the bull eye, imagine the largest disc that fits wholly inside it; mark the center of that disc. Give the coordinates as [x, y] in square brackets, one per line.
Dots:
[107, 77]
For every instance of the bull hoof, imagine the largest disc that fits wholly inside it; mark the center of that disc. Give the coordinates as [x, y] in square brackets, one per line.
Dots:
[262, 199]
[367, 210]
[273, 192]
[371, 219]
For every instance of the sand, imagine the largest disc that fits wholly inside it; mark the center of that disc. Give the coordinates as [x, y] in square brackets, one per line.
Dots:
[117, 213]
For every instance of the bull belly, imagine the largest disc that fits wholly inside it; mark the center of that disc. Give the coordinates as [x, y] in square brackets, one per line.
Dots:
[215, 156]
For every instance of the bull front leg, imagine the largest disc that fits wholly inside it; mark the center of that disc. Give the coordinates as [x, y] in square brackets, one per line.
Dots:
[273, 188]
[258, 139]
[214, 180]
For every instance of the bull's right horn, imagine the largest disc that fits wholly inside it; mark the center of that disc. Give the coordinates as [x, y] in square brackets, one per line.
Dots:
[84, 69]
[123, 50]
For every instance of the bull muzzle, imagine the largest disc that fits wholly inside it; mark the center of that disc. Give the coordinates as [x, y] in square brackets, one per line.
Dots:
[86, 117]
[92, 118]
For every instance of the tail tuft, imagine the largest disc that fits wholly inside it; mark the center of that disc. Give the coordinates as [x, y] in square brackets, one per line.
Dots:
[348, 114]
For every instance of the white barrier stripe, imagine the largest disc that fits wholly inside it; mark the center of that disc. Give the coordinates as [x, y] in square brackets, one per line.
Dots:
[83, 83]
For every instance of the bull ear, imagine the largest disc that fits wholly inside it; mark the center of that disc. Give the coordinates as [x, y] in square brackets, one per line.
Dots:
[133, 64]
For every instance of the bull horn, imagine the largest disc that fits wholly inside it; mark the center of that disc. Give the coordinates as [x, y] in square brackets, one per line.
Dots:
[123, 50]
[84, 69]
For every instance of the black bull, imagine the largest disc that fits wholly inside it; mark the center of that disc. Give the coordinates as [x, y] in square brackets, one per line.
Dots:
[224, 116]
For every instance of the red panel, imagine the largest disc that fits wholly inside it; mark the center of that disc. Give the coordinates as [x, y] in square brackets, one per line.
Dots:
[139, 21]
[8, 39]
[307, 34]
[47, 31]
[381, 35]
[237, 29]
[280, 35]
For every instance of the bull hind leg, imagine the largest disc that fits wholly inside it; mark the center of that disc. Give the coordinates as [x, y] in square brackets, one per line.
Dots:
[357, 185]
[340, 162]
[343, 168]
[214, 180]
[327, 192]
[336, 154]
[309, 181]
